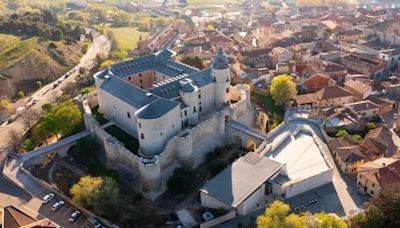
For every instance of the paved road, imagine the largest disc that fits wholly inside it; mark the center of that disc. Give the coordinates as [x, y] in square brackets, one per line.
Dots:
[31, 203]
[48, 94]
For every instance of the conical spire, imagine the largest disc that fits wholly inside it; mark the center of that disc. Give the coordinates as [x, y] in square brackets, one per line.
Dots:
[220, 60]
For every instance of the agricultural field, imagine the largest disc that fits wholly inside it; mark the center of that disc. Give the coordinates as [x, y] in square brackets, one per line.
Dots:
[126, 38]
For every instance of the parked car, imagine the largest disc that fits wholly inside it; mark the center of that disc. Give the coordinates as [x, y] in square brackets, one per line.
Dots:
[34, 101]
[93, 222]
[57, 205]
[74, 216]
[55, 85]
[47, 198]
[395, 116]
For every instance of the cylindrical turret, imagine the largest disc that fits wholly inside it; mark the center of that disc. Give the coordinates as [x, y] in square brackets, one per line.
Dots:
[221, 75]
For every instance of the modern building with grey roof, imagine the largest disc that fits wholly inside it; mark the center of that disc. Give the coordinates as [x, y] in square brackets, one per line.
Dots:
[154, 97]
[238, 185]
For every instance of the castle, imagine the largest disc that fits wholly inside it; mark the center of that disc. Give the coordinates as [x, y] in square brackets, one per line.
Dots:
[154, 98]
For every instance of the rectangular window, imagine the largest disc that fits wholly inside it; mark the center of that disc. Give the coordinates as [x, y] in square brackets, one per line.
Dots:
[185, 113]
[199, 96]
[142, 136]
[194, 109]
[140, 75]
[227, 90]
[128, 114]
[129, 78]
[140, 125]
[141, 81]
[200, 108]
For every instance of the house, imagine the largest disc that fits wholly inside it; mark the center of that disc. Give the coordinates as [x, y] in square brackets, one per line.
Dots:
[326, 97]
[13, 217]
[385, 105]
[351, 36]
[374, 176]
[363, 109]
[316, 82]
[386, 31]
[280, 55]
[360, 89]
[255, 57]
[391, 86]
[365, 64]
[348, 156]
[392, 56]
[255, 75]
[241, 186]
[378, 142]
[333, 70]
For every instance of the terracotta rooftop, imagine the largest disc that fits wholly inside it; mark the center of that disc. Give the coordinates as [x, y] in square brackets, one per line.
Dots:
[382, 171]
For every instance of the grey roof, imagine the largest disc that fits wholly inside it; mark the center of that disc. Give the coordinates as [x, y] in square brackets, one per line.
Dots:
[188, 87]
[156, 108]
[159, 62]
[171, 89]
[220, 61]
[126, 92]
[238, 181]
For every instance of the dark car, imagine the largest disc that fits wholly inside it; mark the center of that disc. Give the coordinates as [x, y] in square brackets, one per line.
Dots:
[93, 222]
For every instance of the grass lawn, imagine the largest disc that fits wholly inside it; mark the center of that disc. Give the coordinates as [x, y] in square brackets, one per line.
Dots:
[98, 116]
[127, 37]
[128, 140]
[269, 103]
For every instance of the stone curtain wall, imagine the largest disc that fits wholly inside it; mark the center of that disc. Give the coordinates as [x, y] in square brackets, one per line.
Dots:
[188, 148]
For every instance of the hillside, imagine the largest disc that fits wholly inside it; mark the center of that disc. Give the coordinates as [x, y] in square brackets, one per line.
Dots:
[24, 61]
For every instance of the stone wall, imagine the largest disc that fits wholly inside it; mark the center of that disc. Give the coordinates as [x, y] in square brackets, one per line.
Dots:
[188, 148]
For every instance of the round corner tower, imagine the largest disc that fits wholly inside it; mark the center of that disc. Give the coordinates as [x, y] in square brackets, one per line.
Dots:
[220, 71]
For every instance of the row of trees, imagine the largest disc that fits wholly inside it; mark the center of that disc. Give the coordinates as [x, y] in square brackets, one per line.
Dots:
[43, 24]
[383, 211]
[279, 214]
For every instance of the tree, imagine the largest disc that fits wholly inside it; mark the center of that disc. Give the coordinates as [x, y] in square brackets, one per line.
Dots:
[16, 140]
[283, 89]
[341, 133]
[106, 63]
[86, 90]
[39, 84]
[193, 60]
[6, 104]
[67, 113]
[371, 126]
[181, 180]
[97, 193]
[29, 117]
[29, 145]
[40, 134]
[278, 215]
[210, 28]
[382, 211]
[21, 94]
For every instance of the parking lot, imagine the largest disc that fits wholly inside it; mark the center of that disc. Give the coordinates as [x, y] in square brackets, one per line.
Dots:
[62, 214]
[323, 198]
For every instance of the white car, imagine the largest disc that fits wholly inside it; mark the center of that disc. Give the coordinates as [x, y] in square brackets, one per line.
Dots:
[74, 216]
[395, 116]
[34, 101]
[47, 198]
[57, 205]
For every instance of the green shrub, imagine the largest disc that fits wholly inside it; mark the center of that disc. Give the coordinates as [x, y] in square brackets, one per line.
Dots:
[181, 180]
[29, 145]
[137, 197]
[113, 174]
[342, 133]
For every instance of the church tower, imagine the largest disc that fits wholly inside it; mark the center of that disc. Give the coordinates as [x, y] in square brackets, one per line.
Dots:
[220, 72]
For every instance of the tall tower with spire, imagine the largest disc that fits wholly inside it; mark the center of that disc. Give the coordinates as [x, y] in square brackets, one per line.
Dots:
[220, 71]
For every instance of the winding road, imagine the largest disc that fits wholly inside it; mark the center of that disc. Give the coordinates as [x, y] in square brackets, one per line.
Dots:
[49, 93]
